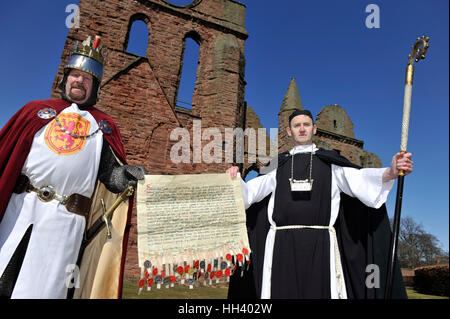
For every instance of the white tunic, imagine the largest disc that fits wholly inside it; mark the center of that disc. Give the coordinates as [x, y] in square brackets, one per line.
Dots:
[71, 166]
[365, 184]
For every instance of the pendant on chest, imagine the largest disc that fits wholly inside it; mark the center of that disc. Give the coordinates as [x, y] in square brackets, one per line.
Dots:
[301, 185]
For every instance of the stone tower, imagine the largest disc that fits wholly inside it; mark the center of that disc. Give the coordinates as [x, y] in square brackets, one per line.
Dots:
[291, 102]
[140, 92]
[334, 130]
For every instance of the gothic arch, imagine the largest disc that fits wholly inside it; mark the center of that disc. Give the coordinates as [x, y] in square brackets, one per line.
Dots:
[136, 17]
[188, 5]
[192, 76]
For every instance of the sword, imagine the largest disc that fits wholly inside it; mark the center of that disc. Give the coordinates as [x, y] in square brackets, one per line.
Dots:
[105, 219]
[102, 221]
[418, 52]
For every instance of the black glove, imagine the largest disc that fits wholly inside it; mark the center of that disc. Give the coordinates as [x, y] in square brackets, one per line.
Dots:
[125, 175]
[116, 177]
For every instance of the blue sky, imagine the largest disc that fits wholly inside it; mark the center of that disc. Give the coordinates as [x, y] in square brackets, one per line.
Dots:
[334, 58]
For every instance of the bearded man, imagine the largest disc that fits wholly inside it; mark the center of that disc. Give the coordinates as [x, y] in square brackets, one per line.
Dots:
[52, 155]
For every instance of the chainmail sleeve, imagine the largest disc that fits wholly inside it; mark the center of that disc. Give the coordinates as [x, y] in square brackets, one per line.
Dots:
[107, 173]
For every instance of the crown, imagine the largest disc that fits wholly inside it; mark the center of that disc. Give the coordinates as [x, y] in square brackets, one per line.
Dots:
[90, 48]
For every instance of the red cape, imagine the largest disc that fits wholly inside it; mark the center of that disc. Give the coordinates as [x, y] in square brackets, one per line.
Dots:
[17, 136]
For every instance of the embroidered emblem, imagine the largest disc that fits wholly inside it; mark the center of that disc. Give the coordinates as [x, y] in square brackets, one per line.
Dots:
[47, 113]
[62, 143]
[105, 127]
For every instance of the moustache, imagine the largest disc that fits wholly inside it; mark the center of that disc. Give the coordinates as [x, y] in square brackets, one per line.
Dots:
[76, 86]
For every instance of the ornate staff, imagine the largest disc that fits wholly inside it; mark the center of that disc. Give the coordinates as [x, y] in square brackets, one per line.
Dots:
[418, 52]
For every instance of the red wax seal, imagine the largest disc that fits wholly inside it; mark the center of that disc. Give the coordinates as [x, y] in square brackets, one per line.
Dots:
[197, 264]
[227, 272]
[228, 256]
[155, 271]
[245, 251]
[150, 282]
[180, 270]
[172, 278]
[209, 267]
[141, 283]
[239, 257]
[219, 273]
[186, 269]
[146, 274]
[211, 275]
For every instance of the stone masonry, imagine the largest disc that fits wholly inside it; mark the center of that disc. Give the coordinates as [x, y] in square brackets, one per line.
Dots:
[334, 130]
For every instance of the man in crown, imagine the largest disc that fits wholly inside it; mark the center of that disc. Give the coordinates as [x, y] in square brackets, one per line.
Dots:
[56, 157]
[318, 226]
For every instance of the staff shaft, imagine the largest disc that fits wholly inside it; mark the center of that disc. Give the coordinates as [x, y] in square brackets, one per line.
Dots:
[394, 239]
[398, 200]
[406, 115]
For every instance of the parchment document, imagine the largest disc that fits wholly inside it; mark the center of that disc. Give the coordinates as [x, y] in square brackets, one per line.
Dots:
[182, 218]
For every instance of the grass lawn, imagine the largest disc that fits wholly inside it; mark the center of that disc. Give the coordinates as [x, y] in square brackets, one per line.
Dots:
[412, 294]
[130, 290]
[219, 291]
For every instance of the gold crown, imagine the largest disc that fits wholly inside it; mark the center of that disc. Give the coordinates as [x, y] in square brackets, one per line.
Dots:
[90, 48]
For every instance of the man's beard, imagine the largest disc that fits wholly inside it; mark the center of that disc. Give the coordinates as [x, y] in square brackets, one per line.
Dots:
[90, 100]
[77, 96]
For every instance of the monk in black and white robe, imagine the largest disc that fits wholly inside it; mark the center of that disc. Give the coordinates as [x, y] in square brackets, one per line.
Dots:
[302, 256]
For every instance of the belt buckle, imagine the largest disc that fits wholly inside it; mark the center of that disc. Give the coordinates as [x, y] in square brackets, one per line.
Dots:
[46, 193]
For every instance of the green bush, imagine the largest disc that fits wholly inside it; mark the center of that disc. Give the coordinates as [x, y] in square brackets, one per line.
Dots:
[432, 280]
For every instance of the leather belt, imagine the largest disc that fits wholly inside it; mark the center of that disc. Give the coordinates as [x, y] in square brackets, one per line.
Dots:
[75, 203]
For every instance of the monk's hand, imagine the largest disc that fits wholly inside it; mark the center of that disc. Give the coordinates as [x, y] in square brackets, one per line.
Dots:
[400, 161]
[232, 171]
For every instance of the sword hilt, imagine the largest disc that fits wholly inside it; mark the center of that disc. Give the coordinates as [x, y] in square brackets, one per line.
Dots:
[107, 220]
[107, 214]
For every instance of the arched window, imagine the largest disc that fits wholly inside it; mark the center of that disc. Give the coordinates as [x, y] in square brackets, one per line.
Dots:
[137, 37]
[189, 66]
[180, 3]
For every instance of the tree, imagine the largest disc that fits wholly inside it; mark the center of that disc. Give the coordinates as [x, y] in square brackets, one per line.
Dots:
[416, 247]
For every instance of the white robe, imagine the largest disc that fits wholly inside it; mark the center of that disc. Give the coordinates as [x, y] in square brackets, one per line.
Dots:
[365, 184]
[57, 233]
